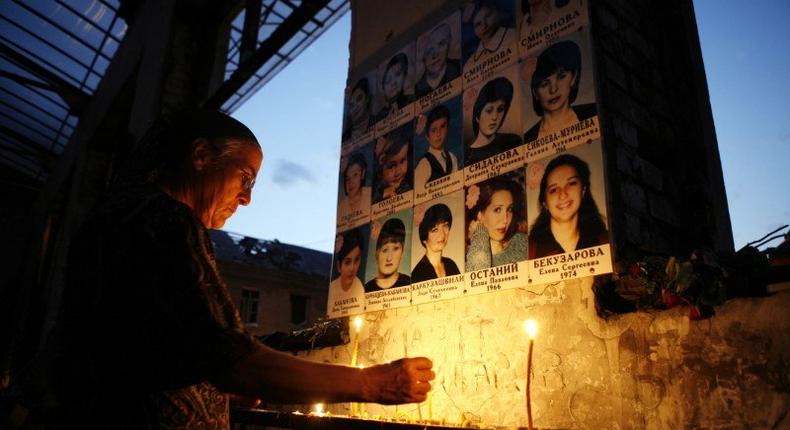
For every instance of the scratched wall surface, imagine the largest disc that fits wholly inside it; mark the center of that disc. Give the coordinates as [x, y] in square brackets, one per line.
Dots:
[642, 370]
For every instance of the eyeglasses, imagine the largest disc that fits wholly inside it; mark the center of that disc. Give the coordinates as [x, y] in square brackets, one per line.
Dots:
[247, 181]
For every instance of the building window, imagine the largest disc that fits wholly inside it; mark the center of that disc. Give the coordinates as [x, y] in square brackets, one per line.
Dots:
[299, 309]
[248, 307]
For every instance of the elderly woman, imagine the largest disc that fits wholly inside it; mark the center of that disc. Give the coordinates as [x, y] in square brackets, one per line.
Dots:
[439, 69]
[569, 218]
[151, 338]
[434, 233]
[488, 115]
[555, 84]
[495, 208]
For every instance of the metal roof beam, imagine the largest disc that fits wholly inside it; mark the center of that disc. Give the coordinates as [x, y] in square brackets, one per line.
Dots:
[269, 47]
[76, 99]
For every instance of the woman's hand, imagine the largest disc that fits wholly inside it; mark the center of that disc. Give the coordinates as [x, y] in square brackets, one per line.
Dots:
[401, 381]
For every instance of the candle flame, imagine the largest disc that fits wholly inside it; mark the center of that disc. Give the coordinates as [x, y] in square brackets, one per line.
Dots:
[358, 323]
[531, 327]
[318, 408]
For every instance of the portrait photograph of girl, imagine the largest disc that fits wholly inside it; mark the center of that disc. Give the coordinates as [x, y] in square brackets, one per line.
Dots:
[354, 195]
[396, 83]
[439, 55]
[439, 234]
[561, 92]
[488, 29]
[568, 202]
[348, 265]
[438, 143]
[495, 214]
[358, 110]
[492, 116]
[393, 163]
[389, 253]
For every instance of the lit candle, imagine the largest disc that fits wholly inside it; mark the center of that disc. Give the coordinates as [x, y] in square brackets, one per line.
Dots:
[355, 350]
[318, 409]
[419, 413]
[430, 405]
[531, 327]
[362, 405]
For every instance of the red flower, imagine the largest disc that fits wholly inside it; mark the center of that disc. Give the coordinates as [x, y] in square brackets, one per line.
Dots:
[694, 313]
[635, 270]
[670, 300]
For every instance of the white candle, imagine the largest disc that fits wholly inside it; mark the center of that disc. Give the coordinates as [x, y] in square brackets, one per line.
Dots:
[531, 327]
[355, 349]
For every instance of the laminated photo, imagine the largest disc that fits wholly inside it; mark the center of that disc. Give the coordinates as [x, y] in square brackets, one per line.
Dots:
[354, 187]
[559, 105]
[490, 38]
[566, 206]
[388, 270]
[358, 117]
[346, 295]
[496, 234]
[545, 21]
[492, 127]
[438, 249]
[438, 151]
[395, 104]
[439, 62]
[392, 159]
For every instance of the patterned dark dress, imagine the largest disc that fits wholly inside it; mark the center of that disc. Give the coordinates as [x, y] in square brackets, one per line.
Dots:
[148, 325]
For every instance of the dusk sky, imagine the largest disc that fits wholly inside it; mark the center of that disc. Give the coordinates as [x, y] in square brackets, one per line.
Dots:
[297, 118]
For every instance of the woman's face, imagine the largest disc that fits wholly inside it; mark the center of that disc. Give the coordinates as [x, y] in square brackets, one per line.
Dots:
[388, 258]
[395, 168]
[437, 133]
[496, 218]
[491, 117]
[485, 23]
[230, 187]
[437, 237]
[436, 51]
[564, 192]
[393, 81]
[355, 175]
[553, 93]
[358, 105]
[348, 267]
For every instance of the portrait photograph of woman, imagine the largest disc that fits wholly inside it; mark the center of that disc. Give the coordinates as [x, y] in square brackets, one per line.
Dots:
[495, 214]
[396, 83]
[358, 111]
[354, 186]
[492, 116]
[347, 266]
[568, 203]
[389, 254]
[438, 143]
[439, 233]
[561, 93]
[488, 30]
[439, 55]
[393, 163]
